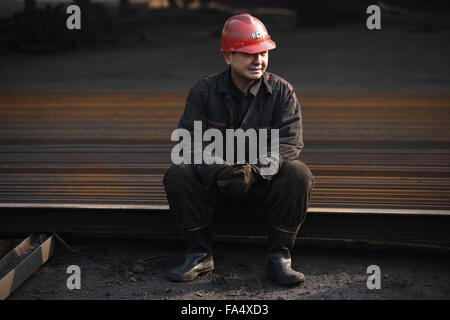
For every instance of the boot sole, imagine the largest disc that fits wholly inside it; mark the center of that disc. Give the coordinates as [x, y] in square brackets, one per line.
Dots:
[272, 277]
[191, 276]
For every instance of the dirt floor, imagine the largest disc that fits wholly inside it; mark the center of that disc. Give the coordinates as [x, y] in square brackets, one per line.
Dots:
[134, 269]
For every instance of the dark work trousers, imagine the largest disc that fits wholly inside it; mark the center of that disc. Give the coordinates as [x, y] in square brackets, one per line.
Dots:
[285, 202]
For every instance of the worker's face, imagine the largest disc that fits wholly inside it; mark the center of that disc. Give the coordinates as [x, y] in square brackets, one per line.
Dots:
[250, 66]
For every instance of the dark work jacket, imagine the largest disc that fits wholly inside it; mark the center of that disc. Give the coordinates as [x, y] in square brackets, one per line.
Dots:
[274, 107]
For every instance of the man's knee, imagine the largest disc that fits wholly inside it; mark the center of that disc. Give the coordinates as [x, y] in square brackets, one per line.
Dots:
[177, 174]
[297, 174]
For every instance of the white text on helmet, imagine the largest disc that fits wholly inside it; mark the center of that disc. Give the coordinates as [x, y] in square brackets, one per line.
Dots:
[258, 34]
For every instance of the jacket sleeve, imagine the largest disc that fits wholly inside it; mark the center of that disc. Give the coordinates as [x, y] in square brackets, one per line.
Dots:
[196, 110]
[287, 119]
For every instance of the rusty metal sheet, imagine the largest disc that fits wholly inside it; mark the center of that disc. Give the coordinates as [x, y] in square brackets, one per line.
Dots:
[374, 152]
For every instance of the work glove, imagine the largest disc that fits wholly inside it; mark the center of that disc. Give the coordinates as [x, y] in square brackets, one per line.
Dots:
[237, 179]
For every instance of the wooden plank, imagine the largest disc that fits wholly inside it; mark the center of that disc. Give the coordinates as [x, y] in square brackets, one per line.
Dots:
[28, 263]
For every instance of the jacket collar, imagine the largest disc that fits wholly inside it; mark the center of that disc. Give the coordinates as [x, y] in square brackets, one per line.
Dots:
[225, 79]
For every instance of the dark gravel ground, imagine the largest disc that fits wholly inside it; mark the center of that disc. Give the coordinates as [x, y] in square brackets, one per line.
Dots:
[134, 269]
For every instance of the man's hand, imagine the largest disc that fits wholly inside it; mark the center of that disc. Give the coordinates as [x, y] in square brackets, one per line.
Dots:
[236, 179]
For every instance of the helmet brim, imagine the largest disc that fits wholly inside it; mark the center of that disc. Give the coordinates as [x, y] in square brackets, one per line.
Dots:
[255, 48]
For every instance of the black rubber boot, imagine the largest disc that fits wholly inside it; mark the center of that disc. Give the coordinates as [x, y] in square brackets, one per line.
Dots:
[198, 258]
[279, 259]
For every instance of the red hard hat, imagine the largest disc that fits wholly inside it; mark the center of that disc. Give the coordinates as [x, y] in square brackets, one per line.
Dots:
[245, 33]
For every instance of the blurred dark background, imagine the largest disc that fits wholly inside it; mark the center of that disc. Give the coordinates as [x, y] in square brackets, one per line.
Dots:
[170, 44]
